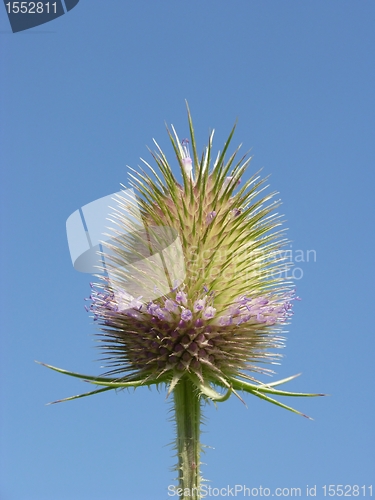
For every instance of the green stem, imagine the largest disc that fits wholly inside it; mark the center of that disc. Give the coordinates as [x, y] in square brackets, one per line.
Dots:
[188, 418]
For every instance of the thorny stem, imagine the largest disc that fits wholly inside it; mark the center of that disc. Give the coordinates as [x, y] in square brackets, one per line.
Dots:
[188, 418]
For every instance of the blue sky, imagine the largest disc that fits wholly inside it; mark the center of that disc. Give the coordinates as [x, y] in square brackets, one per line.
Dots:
[81, 98]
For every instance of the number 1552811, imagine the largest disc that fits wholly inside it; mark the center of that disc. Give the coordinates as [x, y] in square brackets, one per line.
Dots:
[31, 7]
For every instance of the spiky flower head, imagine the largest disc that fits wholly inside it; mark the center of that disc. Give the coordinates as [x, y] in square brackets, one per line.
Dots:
[196, 282]
[195, 291]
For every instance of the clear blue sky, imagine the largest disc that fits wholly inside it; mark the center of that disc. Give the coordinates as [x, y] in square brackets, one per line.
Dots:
[81, 97]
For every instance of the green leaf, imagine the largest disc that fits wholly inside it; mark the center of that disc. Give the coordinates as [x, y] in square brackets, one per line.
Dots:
[87, 378]
[277, 403]
[82, 395]
[246, 386]
[110, 383]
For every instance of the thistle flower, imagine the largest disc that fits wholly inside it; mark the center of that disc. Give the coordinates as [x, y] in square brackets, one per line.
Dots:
[195, 295]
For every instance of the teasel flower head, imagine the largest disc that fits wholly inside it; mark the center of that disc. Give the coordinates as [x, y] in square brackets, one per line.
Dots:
[196, 295]
[196, 281]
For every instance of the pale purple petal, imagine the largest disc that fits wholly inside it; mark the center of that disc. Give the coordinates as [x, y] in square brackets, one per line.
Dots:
[186, 315]
[199, 305]
[234, 310]
[162, 314]
[181, 298]
[151, 308]
[225, 320]
[209, 313]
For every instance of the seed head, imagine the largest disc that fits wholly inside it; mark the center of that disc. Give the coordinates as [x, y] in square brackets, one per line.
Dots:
[196, 280]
